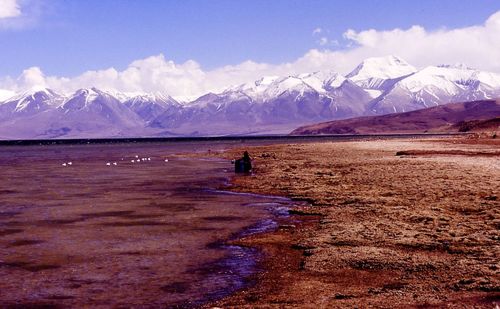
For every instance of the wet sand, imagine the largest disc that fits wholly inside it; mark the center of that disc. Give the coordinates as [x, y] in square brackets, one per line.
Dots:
[420, 229]
[142, 234]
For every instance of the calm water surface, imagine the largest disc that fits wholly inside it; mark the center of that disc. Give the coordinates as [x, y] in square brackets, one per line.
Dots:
[146, 234]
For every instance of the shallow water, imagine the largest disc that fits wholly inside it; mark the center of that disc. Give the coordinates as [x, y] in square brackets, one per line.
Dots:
[148, 233]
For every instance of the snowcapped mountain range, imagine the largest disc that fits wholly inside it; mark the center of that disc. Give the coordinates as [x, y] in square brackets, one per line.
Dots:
[272, 104]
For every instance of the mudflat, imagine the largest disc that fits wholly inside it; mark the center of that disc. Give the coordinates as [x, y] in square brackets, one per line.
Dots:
[418, 229]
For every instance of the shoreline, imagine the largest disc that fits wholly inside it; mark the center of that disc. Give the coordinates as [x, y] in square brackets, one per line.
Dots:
[222, 138]
[325, 249]
[134, 234]
[292, 252]
[239, 250]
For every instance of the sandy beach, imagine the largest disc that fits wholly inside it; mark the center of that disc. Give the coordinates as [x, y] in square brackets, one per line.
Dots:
[419, 229]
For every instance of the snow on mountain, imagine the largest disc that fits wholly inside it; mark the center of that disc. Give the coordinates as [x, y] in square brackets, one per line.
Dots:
[278, 102]
[86, 113]
[376, 86]
[488, 79]
[378, 73]
[94, 105]
[209, 114]
[274, 104]
[290, 84]
[332, 81]
[253, 90]
[270, 87]
[150, 106]
[436, 85]
[6, 94]
[348, 100]
[30, 102]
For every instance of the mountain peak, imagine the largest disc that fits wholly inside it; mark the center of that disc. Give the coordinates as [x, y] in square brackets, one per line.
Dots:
[90, 94]
[149, 99]
[459, 66]
[266, 80]
[35, 94]
[388, 67]
[86, 92]
[38, 88]
[323, 80]
[34, 100]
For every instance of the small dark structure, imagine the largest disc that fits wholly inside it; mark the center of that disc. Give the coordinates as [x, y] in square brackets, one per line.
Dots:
[243, 165]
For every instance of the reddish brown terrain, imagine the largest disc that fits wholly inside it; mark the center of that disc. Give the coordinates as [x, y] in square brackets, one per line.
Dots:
[455, 117]
[488, 125]
[415, 230]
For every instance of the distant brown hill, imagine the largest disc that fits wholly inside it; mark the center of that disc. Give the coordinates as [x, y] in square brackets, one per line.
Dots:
[488, 125]
[455, 117]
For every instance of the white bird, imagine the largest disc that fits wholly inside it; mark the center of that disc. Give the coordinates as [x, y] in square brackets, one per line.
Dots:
[166, 160]
[64, 164]
[136, 156]
[149, 159]
[133, 161]
[114, 163]
[108, 164]
[70, 163]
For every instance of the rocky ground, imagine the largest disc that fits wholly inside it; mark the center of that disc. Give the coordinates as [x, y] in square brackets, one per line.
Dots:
[420, 229]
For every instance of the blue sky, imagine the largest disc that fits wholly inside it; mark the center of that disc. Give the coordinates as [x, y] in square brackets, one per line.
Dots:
[187, 48]
[66, 38]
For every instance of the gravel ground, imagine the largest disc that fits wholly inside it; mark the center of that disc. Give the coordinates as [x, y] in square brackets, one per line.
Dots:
[417, 230]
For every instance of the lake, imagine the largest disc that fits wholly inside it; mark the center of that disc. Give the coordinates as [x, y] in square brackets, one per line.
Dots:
[127, 224]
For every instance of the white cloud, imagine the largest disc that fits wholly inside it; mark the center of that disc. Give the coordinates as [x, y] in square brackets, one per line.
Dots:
[22, 14]
[317, 31]
[323, 41]
[9, 9]
[32, 77]
[477, 46]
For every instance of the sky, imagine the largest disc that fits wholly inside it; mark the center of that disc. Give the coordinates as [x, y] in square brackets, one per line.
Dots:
[187, 48]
